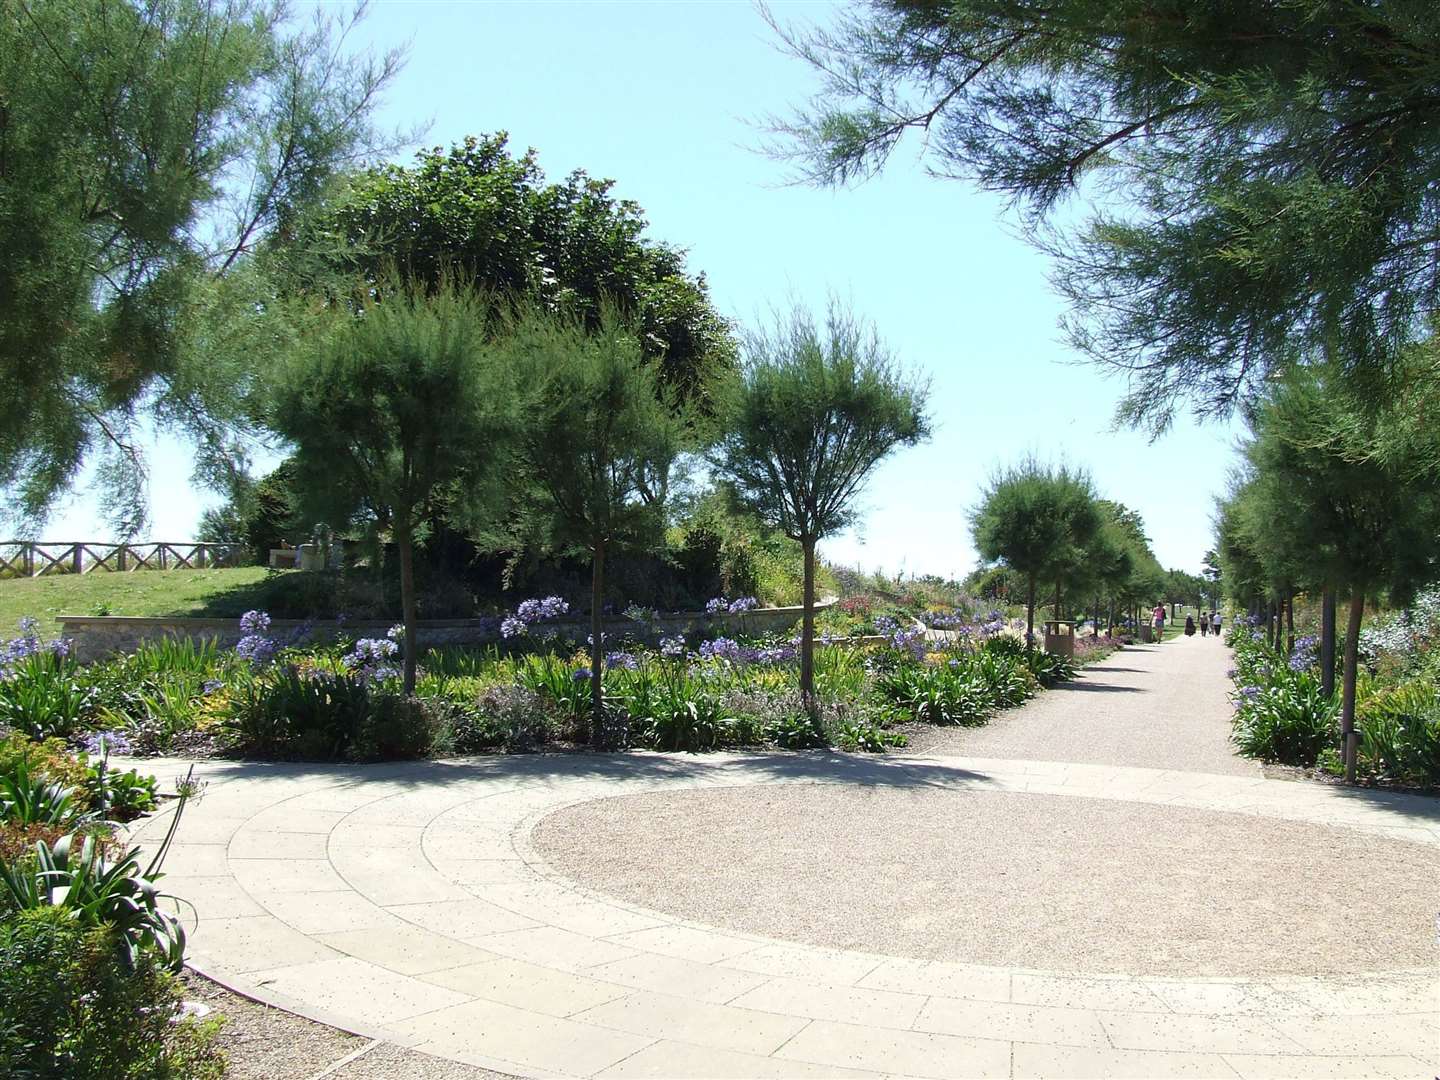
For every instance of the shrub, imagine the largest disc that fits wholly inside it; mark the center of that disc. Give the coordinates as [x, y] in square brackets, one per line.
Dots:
[96, 891]
[868, 738]
[42, 696]
[50, 758]
[1049, 668]
[947, 694]
[290, 714]
[27, 797]
[72, 1009]
[119, 796]
[509, 716]
[395, 728]
[1400, 732]
[1289, 720]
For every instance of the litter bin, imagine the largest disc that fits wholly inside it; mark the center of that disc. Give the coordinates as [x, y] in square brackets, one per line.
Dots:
[1060, 637]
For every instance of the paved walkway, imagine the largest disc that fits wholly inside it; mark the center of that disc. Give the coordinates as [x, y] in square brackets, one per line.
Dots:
[1153, 706]
[408, 901]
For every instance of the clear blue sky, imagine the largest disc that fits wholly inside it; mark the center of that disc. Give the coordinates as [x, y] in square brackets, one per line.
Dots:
[662, 98]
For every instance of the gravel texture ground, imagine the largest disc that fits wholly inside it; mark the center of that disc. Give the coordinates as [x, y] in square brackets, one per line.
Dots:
[1150, 706]
[264, 1043]
[1011, 879]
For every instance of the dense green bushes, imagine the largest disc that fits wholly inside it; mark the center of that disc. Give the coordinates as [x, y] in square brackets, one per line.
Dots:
[1282, 714]
[72, 1008]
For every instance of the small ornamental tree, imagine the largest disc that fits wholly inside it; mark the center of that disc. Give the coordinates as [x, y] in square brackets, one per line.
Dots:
[393, 408]
[814, 410]
[597, 430]
[1363, 526]
[1032, 518]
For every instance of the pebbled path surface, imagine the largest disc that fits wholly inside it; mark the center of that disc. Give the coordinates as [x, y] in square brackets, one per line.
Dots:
[1151, 706]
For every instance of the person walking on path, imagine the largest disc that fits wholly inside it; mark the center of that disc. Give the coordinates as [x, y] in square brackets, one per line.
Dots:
[1204, 624]
[1215, 622]
[1158, 620]
[1189, 626]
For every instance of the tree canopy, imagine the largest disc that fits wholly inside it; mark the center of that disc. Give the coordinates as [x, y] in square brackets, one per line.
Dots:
[812, 413]
[572, 247]
[1035, 518]
[1263, 179]
[145, 149]
[396, 408]
[597, 428]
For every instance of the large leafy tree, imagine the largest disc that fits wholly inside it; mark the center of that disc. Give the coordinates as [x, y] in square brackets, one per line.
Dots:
[597, 427]
[572, 246]
[394, 408]
[145, 150]
[814, 410]
[1262, 179]
[1035, 518]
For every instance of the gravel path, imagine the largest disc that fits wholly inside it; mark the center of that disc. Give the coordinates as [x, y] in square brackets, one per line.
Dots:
[1149, 706]
[1011, 879]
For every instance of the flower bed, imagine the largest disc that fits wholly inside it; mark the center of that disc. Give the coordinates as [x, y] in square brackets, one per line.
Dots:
[1283, 716]
[282, 696]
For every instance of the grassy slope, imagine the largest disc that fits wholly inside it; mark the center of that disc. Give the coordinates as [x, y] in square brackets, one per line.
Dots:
[144, 592]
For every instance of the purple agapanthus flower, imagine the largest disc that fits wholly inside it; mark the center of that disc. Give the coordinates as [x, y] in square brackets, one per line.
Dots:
[624, 660]
[104, 743]
[672, 647]
[581, 674]
[716, 605]
[743, 604]
[254, 622]
[722, 648]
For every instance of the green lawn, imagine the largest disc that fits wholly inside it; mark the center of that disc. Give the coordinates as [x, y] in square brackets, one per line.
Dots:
[143, 592]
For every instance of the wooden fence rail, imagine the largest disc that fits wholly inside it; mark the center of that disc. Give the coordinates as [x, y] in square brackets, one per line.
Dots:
[34, 558]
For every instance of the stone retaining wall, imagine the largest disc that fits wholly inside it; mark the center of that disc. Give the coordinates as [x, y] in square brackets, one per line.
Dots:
[95, 637]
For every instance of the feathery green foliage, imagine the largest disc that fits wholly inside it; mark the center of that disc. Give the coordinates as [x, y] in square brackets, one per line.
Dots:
[145, 150]
[396, 410]
[1262, 179]
[600, 436]
[1032, 517]
[815, 409]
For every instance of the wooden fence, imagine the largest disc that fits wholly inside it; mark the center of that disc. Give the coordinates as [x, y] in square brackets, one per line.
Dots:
[34, 558]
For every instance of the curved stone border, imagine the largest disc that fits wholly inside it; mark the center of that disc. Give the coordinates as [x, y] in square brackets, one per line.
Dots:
[407, 901]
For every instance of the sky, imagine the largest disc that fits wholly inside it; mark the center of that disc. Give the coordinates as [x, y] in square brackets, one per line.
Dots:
[666, 99]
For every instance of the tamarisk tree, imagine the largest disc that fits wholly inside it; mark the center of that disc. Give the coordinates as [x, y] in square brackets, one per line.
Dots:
[812, 413]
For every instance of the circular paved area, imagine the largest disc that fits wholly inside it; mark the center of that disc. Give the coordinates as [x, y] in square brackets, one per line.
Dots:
[1037, 881]
[412, 902]
[408, 901]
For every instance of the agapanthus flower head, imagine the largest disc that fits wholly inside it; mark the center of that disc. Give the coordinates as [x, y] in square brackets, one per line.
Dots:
[29, 626]
[254, 622]
[722, 648]
[672, 646]
[105, 743]
[256, 649]
[744, 603]
[716, 605]
[396, 632]
[885, 624]
[624, 660]
[512, 626]
[581, 674]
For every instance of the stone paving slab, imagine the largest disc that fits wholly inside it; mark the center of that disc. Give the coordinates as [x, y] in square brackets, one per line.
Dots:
[533, 975]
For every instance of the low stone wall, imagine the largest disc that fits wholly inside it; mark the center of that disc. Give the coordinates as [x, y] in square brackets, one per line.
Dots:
[95, 637]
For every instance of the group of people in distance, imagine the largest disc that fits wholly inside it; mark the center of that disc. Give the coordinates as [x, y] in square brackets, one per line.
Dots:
[1209, 620]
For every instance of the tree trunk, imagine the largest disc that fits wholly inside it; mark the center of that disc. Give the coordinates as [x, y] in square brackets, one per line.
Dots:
[1348, 739]
[404, 545]
[1056, 614]
[1327, 643]
[807, 627]
[1030, 615]
[1290, 623]
[1172, 611]
[597, 640]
